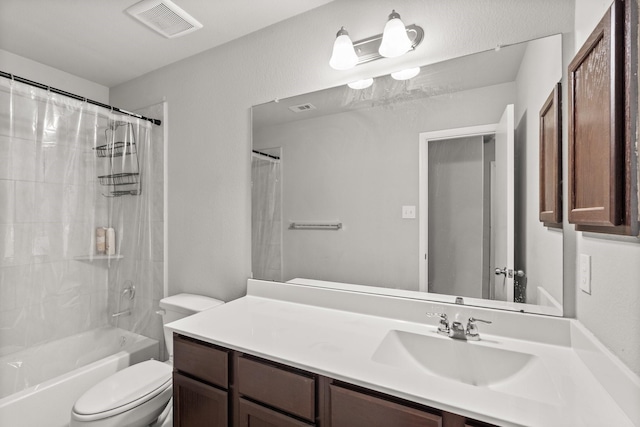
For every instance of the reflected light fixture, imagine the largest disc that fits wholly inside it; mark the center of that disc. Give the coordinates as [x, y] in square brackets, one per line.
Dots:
[407, 74]
[395, 41]
[361, 84]
[344, 55]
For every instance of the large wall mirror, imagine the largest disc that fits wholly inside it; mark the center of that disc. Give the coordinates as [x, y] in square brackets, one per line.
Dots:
[426, 187]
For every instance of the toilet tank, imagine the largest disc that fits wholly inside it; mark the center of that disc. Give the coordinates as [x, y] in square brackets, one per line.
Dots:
[179, 306]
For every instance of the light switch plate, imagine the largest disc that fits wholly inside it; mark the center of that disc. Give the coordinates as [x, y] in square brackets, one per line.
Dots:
[585, 273]
[408, 212]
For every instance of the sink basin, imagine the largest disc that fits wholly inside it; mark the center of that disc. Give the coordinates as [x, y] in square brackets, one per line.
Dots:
[474, 363]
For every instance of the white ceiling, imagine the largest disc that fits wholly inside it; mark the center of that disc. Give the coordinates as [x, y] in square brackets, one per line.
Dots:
[98, 41]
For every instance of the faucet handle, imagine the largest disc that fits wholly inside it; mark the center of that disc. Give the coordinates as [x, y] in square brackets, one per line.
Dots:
[472, 329]
[443, 326]
[473, 319]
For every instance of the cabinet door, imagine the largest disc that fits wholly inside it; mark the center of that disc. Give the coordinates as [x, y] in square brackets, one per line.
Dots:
[354, 409]
[596, 126]
[254, 415]
[551, 160]
[196, 404]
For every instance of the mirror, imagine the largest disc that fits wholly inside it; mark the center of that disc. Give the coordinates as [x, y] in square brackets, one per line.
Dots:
[372, 189]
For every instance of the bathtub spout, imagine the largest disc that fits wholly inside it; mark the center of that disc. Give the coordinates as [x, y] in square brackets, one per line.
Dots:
[122, 313]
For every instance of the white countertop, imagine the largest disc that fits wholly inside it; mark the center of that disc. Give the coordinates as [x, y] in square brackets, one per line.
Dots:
[340, 344]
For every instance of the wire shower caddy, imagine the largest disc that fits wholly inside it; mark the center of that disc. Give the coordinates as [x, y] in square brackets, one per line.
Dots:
[125, 182]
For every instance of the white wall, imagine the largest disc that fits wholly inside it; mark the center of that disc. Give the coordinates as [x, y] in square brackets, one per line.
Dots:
[210, 95]
[612, 311]
[537, 77]
[37, 72]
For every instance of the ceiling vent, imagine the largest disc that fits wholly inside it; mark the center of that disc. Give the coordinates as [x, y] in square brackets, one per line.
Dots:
[164, 17]
[302, 107]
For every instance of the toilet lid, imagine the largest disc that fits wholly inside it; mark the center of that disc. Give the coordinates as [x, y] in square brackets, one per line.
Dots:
[146, 379]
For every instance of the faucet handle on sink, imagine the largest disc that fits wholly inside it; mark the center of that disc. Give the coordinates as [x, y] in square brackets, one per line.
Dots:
[472, 329]
[443, 326]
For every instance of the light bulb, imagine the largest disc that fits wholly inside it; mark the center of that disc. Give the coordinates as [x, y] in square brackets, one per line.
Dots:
[344, 55]
[395, 41]
[406, 74]
[360, 84]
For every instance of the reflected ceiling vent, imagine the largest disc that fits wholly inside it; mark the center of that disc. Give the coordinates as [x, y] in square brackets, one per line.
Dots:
[164, 17]
[302, 107]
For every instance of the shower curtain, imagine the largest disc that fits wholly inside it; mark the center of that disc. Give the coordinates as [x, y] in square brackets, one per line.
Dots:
[266, 223]
[67, 169]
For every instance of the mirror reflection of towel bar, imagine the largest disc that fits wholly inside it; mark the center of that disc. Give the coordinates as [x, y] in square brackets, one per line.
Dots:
[315, 226]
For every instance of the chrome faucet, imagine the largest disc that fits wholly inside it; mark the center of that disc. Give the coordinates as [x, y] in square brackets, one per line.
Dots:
[456, 330]
[443, 326]
[471, 333]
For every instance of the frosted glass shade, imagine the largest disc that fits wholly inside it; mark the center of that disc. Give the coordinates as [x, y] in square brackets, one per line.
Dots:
[395, 41]
[361, 84]
[344, 55]
[407, 74]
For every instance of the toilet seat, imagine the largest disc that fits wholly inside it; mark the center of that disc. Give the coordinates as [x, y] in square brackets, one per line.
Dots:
[126, 389]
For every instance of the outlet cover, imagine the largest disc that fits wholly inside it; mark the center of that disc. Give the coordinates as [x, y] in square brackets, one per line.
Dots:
[408, 212]
[585, 273]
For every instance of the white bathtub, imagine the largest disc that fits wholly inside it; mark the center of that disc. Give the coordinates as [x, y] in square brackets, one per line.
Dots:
[39, 386]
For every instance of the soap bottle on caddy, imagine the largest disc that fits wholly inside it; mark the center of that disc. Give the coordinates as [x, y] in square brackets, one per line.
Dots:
[105, 241]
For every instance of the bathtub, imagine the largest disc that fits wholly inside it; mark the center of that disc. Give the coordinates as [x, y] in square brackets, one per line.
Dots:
[38, 386]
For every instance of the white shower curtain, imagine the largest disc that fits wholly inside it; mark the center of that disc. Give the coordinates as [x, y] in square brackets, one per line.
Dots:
[266, 223]
[68, 167]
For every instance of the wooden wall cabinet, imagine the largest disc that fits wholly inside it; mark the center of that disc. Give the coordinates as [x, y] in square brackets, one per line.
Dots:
[551, 160]
[600, 140]
[240, 390]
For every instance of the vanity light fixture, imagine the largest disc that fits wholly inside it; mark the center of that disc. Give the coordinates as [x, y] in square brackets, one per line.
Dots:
[361, 84]
[396, 40]
[344, 55]
[407, 74]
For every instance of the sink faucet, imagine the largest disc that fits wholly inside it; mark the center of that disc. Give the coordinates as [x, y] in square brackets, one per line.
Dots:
[456, 330]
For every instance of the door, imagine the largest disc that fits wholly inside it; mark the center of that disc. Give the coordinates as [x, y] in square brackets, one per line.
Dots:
[503, 207]
[425, 139]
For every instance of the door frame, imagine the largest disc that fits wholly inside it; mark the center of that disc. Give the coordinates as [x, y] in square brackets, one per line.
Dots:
[423, 185]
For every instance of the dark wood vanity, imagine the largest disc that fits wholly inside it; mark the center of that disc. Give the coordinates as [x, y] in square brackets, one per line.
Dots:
[216, 386]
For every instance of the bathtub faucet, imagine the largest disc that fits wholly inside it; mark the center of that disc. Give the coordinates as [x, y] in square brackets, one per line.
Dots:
[122, 313]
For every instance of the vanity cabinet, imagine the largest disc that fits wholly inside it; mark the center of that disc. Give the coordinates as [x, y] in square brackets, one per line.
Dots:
[214, 386]
[600, 136]
[200, 383]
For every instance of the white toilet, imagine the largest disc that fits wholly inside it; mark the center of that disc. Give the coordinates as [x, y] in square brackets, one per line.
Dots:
[139, 395]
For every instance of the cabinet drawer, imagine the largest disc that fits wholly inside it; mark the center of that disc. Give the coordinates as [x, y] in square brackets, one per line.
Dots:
[282, 389]
[252, 414]
[354, 409]
[201, 360]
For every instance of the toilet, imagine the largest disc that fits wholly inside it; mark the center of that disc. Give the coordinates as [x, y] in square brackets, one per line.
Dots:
[139, 395]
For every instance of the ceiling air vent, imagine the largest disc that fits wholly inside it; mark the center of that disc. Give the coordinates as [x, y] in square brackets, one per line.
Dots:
[164, 17]
[302, 107]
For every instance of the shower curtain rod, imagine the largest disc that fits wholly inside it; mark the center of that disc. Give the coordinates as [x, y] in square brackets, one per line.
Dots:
[265, 154]
[78, 97]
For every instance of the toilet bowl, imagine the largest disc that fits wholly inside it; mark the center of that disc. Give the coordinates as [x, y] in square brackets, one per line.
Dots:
[140, 394]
